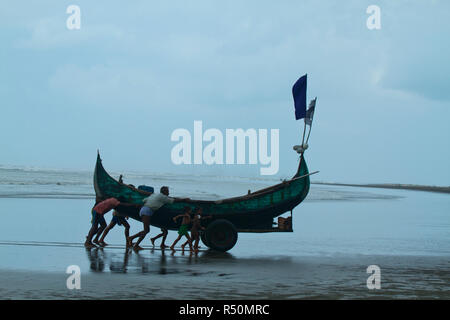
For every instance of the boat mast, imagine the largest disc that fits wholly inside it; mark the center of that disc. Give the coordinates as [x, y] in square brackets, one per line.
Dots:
[307, 121]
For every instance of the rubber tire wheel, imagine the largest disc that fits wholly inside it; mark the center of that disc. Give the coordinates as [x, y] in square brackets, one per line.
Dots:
[221, 235]
[203, 238]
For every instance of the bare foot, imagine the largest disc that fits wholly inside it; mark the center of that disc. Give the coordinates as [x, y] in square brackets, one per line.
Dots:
[163, 246]
[172, 248]
[96, 241]
[103, 243]
[137, 248]
[89, 245]
[152, 241]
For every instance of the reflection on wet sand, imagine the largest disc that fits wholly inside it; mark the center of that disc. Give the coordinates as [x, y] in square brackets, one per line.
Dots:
[150, 261]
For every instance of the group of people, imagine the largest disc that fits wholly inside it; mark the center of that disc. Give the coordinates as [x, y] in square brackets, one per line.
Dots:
[190, 220]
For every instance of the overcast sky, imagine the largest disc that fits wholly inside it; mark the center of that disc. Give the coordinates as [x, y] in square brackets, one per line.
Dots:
[137, 70]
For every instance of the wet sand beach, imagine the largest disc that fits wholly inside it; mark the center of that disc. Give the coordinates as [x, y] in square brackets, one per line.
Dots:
[155, 275]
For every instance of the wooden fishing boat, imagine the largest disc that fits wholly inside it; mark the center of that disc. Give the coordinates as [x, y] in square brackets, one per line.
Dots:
[253, 212]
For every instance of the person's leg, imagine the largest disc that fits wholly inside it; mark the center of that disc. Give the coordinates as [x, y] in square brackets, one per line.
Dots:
[146, 222]
[134, 236]
[196, 240]
[189, 240]
[93, 230]
[91, 233]
[165, 232]
[102, 222]
[108, 228]
[184, 244]
[143, 212]
[175, 242]
[126, 225]
[156, 237]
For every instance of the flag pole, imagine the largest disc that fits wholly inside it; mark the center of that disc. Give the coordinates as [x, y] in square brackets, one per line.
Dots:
[301, 154]
[310, 126]
[304, 131]
[309, 132]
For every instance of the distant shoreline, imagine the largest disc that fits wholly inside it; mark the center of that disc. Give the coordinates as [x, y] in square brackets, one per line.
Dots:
[391, 186]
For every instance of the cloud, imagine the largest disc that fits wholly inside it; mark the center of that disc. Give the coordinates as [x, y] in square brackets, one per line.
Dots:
[105, 86]
[418, 49]
[51, 33]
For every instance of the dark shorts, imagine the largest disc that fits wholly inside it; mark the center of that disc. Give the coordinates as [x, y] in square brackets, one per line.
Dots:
[183, 230]
[97, 218]
[119, 220]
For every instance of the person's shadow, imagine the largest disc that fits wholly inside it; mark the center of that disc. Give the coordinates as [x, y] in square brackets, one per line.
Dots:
[120, 267]
[162, 263]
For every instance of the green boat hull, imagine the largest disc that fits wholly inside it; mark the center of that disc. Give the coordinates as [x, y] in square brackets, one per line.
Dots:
[254, 211]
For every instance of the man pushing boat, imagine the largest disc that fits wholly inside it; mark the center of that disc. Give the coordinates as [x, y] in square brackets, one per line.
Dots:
[121, 221]
[151, 204]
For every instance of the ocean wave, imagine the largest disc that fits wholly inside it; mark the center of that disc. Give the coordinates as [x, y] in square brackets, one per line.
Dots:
[42, 183]
[314, 195]
[52, 195]
[31, 182]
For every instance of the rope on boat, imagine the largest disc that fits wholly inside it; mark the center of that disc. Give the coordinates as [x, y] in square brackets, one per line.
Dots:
[306, 175]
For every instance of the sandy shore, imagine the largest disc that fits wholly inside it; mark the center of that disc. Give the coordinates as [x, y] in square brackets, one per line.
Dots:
[218, 276]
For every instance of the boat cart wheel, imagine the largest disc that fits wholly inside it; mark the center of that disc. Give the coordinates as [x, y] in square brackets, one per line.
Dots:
[221, 235]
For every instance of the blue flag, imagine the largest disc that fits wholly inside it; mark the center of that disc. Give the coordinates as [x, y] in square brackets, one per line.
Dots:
[299, 93]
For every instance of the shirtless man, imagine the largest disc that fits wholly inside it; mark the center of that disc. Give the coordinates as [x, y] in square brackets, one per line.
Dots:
[183, 230]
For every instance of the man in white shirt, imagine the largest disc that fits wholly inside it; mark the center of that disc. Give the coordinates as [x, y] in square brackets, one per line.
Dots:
[156, 201]
[151, 204]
